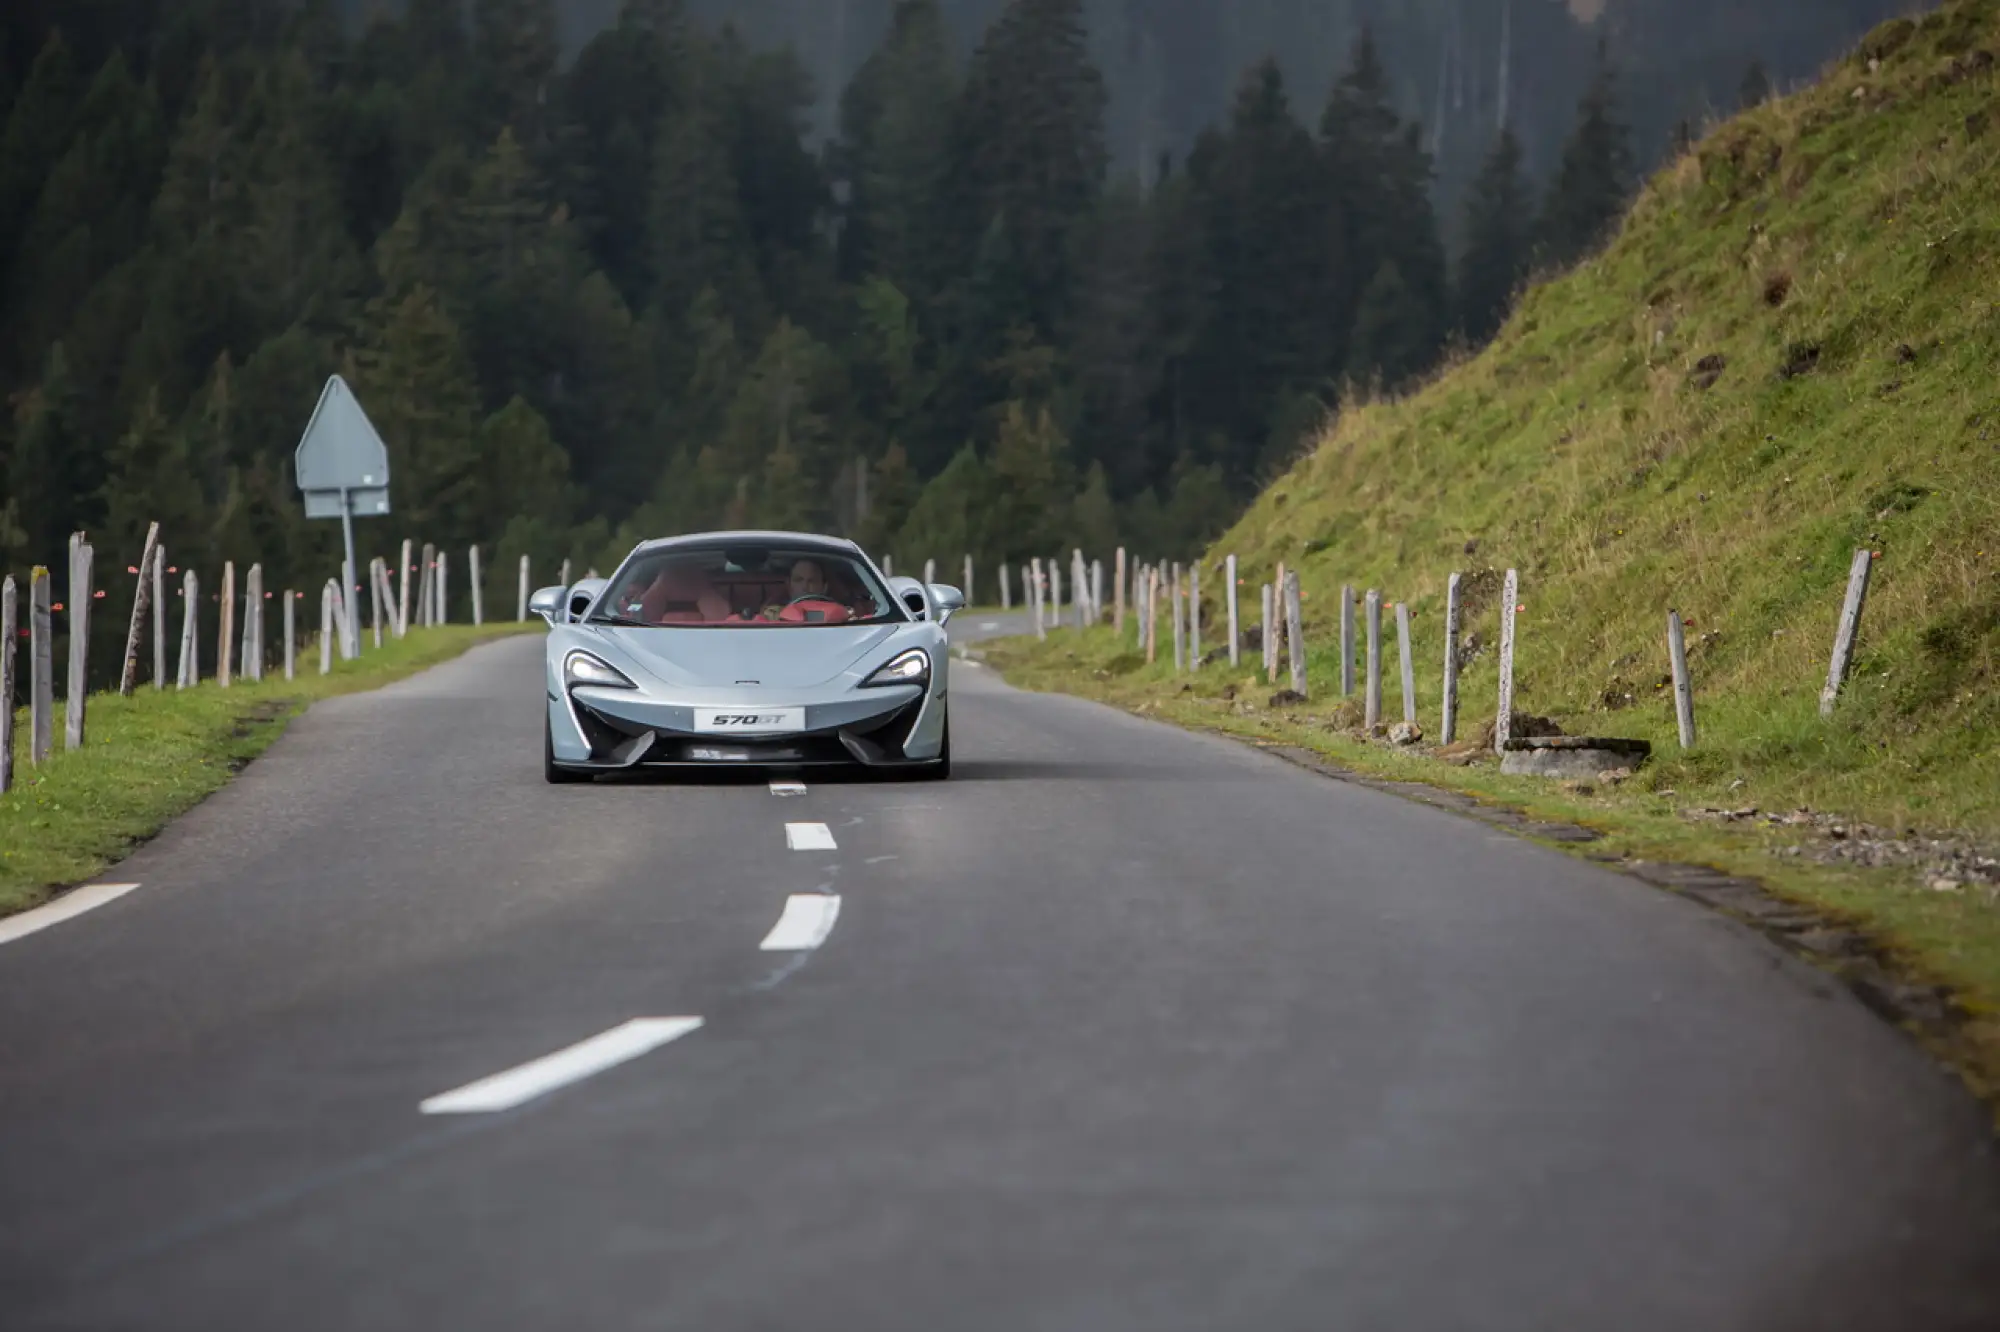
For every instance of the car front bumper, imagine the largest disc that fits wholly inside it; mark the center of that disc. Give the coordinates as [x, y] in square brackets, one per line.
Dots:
[614, 729]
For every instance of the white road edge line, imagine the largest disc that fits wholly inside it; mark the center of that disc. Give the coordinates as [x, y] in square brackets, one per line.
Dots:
[63, 908]
[807, 920]
[809, 837]
[788, 788]
[539, 1077]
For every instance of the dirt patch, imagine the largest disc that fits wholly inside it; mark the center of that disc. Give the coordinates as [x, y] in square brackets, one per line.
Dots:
[1946, 863]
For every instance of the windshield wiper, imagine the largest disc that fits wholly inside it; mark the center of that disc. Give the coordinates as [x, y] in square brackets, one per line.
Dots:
[624, 620]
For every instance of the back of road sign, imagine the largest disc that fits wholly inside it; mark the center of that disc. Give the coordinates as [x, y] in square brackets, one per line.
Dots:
[341, 452]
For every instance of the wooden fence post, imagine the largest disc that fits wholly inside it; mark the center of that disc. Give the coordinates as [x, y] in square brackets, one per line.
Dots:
[1683, 688]
[1096, 592]
[159, 578]
[1194, 616]
[188, 673]
[1153, 615]
[1278, 653]
[403, 572]
[1033, 592]
[1372, 709]
[1503, 724]
[9, 633]
[426, 584]
[1347, 640]
[478, 592]
[1268, 634]
[1118, 590]
[1054, 607]
[1448, 724]
[291, 631]
[1178, 606]
[968, 588]
[1006, 587]
[326, 627]
[1295, 633]
[83, 558]
[253, 624]
[930, 572]
[374, 602]
[142, 605]
[1235, 623]
[1409, 668]
[443, 615]
[225, 637]
[349, 608]
[41, 669]
[521, 595]
[1850, 625]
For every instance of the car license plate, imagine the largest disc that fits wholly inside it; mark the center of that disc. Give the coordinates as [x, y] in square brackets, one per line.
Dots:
[749, 721]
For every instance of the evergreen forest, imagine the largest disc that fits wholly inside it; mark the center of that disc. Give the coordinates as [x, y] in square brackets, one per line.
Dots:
[600, 290]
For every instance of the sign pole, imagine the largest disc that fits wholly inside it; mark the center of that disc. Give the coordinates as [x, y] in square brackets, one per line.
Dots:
[350, 604]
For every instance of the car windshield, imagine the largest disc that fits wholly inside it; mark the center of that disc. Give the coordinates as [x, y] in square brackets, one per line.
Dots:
[745, 586]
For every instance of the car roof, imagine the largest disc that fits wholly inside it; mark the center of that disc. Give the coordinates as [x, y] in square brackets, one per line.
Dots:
[793, 539]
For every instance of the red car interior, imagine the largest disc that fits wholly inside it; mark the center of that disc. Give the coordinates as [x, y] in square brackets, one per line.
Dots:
[684, 594]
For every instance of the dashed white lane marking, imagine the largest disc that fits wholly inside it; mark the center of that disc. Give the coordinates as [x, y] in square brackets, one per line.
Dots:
[62, 909]
[809, 837]
[807, 920]
[504, 1091]
[989, 625]
[788, 788]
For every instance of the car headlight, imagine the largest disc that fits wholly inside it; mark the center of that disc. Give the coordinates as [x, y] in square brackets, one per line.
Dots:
[580, 668]
[907, 668]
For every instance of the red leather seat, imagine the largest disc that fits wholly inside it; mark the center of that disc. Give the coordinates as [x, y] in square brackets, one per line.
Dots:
[681, 595]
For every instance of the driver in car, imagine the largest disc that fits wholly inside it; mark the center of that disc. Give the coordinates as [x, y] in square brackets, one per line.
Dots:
[808, 582]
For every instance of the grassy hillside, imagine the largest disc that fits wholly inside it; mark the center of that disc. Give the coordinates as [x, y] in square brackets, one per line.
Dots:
[1791, 351]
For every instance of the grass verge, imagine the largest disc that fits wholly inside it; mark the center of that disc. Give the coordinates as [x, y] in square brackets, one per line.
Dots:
[151, 757]
[1947, 940]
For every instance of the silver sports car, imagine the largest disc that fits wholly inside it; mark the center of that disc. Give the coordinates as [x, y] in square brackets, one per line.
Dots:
[761, 648]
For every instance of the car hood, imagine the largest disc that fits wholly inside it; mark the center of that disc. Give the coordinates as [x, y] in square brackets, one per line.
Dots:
[788, 658]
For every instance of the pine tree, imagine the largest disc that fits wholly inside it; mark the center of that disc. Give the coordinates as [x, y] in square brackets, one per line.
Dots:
[1594, 181]
[1027, 149]
[893, 153]
[892, 492]
[91, 214]
[696, 231]
[1030, 467]
[422, 397]
[952, 516]
[1392, 338]
[1497, 241]
[515, 52]
[38, 130]
[51, 470]
[527, 473]
[1380, 180]
[1265, 332]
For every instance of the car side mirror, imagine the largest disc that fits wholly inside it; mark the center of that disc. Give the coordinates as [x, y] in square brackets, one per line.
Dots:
[547, 603]
[948, 600]
[911, 593]
[583, 596]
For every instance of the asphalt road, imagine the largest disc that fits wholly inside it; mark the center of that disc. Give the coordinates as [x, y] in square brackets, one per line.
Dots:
[1122, 1028]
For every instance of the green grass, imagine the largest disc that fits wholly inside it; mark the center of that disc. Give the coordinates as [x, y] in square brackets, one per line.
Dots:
[1839, 251]
[1580, 450]
[151, 757]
